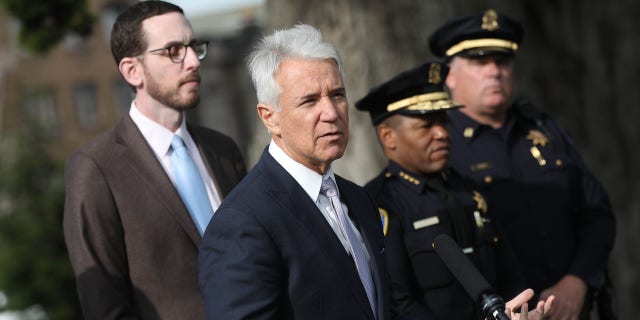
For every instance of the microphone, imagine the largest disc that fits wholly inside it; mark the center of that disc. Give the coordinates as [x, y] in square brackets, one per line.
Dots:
[470, 278]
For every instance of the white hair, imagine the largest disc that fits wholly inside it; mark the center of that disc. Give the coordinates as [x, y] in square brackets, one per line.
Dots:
[302, 41]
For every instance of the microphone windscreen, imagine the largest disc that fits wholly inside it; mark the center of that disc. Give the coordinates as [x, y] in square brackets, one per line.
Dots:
[461, 267]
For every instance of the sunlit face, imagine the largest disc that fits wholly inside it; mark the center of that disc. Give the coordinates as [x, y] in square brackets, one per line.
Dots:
[312, 123]
[419, 144]
[484, 85]
[175, 85]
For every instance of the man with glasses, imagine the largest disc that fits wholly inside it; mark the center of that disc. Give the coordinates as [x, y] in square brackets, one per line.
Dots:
[177, 52]
[139, 197]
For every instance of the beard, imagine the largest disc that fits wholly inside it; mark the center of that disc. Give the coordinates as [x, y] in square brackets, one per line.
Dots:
[171, 97]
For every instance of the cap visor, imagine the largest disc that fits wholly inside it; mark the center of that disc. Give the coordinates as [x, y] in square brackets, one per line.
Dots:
[489, 51]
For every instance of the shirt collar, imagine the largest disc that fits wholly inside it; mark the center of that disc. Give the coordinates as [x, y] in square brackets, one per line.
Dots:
[157, 136]
[463, 124]
[308, 179]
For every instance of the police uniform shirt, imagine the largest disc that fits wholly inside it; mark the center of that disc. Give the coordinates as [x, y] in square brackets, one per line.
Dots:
[556, 215]
[414, 213]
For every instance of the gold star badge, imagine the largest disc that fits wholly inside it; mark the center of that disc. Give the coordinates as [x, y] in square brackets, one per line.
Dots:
[537, 138]
[479, 199]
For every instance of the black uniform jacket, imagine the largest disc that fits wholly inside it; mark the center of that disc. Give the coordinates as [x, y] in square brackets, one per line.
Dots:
[556, 214]
[417, 208]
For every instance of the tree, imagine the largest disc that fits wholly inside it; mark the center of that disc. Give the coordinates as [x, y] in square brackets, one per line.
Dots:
[45, 23]
[35, 267]
[35, 270]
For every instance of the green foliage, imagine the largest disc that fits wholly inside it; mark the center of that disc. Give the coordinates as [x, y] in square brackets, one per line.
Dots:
[45, 23]
[35, 267]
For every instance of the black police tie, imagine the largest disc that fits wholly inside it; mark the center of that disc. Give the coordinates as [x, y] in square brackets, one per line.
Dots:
[462, 228]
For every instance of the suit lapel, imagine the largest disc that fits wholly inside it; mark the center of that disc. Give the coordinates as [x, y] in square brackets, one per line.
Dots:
[211, 160]
[292, 198]
[145, 165]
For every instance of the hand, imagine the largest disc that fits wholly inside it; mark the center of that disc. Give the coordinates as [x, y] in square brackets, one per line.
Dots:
[570, 292]
[520, 301]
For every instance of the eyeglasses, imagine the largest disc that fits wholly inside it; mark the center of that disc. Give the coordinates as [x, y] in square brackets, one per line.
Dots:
[177, 52]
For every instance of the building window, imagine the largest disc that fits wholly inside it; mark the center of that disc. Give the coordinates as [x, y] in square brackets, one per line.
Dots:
[41, 111]
[122, 97]
[86, 107]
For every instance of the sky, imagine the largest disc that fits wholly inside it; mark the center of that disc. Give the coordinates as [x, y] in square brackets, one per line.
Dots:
[193, 8]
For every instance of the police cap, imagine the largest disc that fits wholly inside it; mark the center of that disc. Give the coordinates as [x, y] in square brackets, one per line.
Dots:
[417, 91]
[481, 34]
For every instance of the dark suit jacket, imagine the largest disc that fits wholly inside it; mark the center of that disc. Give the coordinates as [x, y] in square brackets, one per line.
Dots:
[131, 241]
[268, 253]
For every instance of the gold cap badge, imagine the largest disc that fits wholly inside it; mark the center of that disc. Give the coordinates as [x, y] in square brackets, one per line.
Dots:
[434, 74]
[490, 20]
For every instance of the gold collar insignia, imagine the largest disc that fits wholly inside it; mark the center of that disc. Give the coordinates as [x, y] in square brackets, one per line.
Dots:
[468, 132]
[409, 178]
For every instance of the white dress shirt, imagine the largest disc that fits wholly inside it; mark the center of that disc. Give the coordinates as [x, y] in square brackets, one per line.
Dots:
[311, 182]
[159, 139]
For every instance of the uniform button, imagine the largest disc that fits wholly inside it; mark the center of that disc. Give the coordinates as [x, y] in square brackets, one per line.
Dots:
[558, 162]
[488, 179]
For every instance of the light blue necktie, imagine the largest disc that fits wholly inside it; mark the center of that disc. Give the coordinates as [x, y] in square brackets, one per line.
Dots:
[190, 185]
[329, 189]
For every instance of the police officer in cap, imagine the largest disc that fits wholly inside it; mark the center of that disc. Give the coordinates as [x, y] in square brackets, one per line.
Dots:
[556, 214]
[419, 200]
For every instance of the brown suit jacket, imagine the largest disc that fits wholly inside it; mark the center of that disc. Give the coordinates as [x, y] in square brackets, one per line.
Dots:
[131, 241]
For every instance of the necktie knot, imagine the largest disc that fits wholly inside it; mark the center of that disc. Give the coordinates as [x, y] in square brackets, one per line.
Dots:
[177, 143]
[328, 188]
